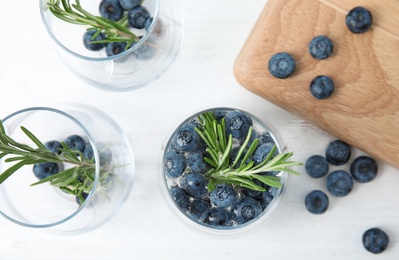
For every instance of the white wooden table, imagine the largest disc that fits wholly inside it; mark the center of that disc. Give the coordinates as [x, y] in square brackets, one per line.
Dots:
[32, 75]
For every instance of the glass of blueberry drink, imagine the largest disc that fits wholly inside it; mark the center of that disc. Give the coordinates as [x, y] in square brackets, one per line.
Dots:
[67, 168]
[115, 45]
[224, 171]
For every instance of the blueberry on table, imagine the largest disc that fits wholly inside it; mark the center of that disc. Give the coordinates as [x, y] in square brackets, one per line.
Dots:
[44, 170]
[375, 240]
[174, 164]
[359, 20]
[129, 4]
[321, 47]
[281, 65]
[111, 10]
[322, 87]
[115, 48]
[180, 197]
[246, 209]
[316, 202]
[223, 195]
[219, 217]
[338, 152]
[195, 184]
[199, 206]
[364, 169]
[53, 146]
[339, 183]
[316, 166]
[186, 139]
[75, 142]
[137, 17]
[237, 124]
[88, 40]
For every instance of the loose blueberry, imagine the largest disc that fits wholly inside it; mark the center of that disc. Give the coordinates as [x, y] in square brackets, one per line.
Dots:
[316, 166]
[111, 10]
[338, 152]
[186, 138]
[180, 197]
[217, 217]
[322, 87]
[137, 17]
[129, 4]
[262, 152]
[246, 209]
[75, 142]
[174, 164]
[223, 195]
[195, 185]
[375, 240]
[316, 202]
[88, 40]
[359, 20]
[364, 169]
[281, 65]
[44, 170]
[237, 124]
[196, 162]
[321, 47]
[115, 48]
[199, 206]
[53, 146]
[339, 183]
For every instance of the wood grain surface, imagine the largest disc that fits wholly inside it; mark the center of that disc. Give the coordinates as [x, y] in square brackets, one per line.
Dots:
[364, 109]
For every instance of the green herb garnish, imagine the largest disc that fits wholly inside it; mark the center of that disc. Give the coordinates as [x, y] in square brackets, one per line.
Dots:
[75, 14]
[77, 180]
[240, 173]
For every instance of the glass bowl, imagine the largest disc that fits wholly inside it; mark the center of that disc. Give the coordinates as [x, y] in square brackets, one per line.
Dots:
[108, 178]
[157, 47]
[201, 209]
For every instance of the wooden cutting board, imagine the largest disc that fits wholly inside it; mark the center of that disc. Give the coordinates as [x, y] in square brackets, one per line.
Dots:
[364, 109]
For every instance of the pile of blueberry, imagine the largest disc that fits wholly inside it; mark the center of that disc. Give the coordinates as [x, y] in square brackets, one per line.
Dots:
[227, 206]
[138, 17]
[282, 65]
[75, 143]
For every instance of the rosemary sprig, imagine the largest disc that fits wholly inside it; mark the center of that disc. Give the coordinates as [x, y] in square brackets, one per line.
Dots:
[240, 172]
[76, 14]
[77, 180]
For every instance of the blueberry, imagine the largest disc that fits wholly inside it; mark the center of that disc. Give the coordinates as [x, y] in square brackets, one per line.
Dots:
[223, 195]
[195, 185]
[44, 170]
[375, 240]
[262, 152]
[174, 164]
[180, 197]
[253, 193]
[111, 10]
[237, 124]
[246, 209]
[84, 195]
[219, 114]
[105, 156]
[199, 206]
[265, 137]
[322, 87]
[145, 51]
[137, 16]
[364, 169]
[115, 48]
[281, 65]
[316, 166]
[234, 153]
[196, 162]
[321, 47]
[339, 183]
[88, 39]
[316, 202]
[359, 20]
[53, 146]
[129, 4]
[338, 152]
[75, 142]
[186, 138]
[266, 197]
[216, 217]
